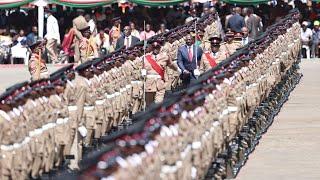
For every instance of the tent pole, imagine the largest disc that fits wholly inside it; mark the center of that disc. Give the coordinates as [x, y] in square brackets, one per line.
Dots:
[40, 21]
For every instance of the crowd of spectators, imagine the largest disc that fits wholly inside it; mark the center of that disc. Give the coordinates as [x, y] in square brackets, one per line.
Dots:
[18, 27]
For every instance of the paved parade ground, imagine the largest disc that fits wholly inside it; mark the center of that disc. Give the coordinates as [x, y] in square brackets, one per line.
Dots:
[289, 149]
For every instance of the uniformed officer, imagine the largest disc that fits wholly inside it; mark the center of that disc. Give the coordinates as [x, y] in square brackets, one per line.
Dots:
[87, 46]
[154, 66]
[230, 46]
[211, 58]
[37, 66]
[78, 24]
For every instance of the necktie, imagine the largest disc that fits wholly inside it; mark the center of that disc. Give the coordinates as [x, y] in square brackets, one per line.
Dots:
[190, 54]
[127, 42]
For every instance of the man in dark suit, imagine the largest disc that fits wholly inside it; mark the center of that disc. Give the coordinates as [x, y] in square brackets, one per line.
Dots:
[127, 40]
[236, 22]
[253, 23]
[188, 58]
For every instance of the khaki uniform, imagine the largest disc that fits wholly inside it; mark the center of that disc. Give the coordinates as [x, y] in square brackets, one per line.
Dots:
[155, 84]
[205, 62]
[88, 49]
[34, 63]
[78, 23]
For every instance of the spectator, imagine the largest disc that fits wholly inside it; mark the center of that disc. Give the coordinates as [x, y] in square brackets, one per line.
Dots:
[253, 23]
[315, 39]
[22, 39]
[103, 41]
[227, 18]
[3, 19]
[306, 35]
[245, 36]
[127, 40]
[52, 36]
[92, 24]
[205, 11]
[193, 15]
[148, 33]
[134, 32]
[162, 29]
[32, 36]
[236, 21]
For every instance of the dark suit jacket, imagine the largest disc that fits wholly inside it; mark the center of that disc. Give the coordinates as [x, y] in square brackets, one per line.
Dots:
[254, 26]
[183, 58]
[236, 23]
[120, 42]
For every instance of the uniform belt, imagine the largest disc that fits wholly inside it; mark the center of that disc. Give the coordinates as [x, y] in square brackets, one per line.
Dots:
[72, 108]
[196, 145]
[128, 86]
[100, 102]
[6, 147]
[154, 76]
[117, 94]
[232, 108]
[109, 96]
[123, 90]
[225, 112]
[62, 120]
[88, 108]
[168, 169]
[136, 82]
[16, 145]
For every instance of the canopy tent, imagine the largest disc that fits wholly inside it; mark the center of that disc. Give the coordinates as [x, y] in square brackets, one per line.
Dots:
[157, 2]
[246, 2]
[5, 4]
[83, 3]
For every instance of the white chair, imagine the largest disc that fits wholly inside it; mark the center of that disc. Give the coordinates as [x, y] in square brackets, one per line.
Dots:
[19, 51]
[308, 52]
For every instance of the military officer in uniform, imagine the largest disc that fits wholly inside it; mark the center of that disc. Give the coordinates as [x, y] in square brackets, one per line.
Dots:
[154, 70]
[211, 58]
[87, 46]
[230, 46]
[37, 66]
[78, 23]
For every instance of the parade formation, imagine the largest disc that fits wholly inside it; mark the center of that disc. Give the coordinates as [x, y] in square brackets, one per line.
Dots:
[99, 119]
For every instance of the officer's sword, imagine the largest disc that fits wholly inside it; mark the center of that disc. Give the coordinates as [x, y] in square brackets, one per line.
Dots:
[144, 55]
[196, 53]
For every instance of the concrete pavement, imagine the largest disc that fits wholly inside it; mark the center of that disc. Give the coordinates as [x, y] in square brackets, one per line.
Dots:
[290, 148]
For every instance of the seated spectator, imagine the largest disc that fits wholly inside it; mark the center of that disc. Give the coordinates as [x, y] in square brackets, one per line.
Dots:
[22, 39]
[148, 33]
[306, 36]
[315, 39]
[134, 31]
[103, 41]
[32, 36]
[162, 29]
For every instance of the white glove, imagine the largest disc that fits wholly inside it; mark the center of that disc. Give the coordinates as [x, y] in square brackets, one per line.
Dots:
[83, 131]
[196, 72]
[143, 72]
